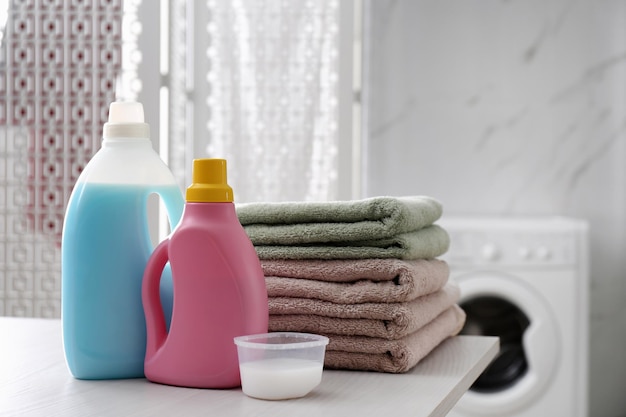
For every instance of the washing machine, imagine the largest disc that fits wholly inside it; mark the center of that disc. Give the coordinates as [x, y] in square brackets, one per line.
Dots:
[525, 280]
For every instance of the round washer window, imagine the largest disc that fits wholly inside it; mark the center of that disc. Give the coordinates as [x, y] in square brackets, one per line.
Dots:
[511, 308]
[493, 316]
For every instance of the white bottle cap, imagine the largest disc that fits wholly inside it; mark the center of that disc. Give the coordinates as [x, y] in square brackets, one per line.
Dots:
[126, 120]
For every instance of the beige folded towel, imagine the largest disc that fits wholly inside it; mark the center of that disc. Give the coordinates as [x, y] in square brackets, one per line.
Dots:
[380, 320]
[392, 356]
[355, 280]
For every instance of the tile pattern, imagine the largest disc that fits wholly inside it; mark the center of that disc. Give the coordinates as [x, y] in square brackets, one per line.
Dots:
[58, 65]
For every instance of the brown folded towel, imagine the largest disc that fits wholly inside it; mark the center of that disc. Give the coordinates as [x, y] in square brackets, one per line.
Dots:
[392, 356]
[355, 280]
[380, 320]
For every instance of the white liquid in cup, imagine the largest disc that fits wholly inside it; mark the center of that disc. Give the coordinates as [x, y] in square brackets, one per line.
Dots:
[280, 379]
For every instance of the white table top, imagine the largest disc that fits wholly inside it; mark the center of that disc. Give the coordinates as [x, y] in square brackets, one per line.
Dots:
[34, 381]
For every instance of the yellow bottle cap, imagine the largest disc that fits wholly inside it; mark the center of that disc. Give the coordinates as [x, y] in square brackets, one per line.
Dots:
[209, 182]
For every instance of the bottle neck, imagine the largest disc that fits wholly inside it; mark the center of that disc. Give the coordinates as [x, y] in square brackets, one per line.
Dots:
[217, 211]
[125, 142]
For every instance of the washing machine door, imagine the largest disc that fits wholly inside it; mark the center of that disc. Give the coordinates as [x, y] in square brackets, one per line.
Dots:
[525, 366]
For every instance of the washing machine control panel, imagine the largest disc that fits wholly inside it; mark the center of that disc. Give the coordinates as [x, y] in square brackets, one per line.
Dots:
[512, 245]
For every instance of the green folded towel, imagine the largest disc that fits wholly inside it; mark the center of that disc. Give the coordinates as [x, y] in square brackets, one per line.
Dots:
[426, 243]
[302, 223]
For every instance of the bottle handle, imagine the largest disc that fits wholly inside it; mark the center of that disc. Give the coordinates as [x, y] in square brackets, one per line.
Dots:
[174, 205]
[174, 208]
[150, 296]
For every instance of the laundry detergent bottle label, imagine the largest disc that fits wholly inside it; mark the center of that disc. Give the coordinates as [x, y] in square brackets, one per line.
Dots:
[219, 289]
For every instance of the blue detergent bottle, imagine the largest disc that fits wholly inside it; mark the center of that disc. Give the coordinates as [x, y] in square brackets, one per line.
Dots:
[106, 245]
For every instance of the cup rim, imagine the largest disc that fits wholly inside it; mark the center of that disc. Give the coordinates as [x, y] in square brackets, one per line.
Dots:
[309, 340]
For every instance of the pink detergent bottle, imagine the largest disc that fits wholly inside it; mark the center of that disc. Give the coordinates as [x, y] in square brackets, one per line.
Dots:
[219, 289]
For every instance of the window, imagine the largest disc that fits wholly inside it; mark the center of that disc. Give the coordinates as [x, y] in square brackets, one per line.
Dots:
[268, 85]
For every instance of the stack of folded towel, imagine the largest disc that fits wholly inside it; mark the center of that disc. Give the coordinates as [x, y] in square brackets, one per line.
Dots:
[364, 273]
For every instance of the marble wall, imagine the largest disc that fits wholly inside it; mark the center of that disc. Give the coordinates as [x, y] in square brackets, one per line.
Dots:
[511, 107]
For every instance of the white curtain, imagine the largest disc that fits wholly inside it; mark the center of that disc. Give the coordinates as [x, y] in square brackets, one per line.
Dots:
[257, 84]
